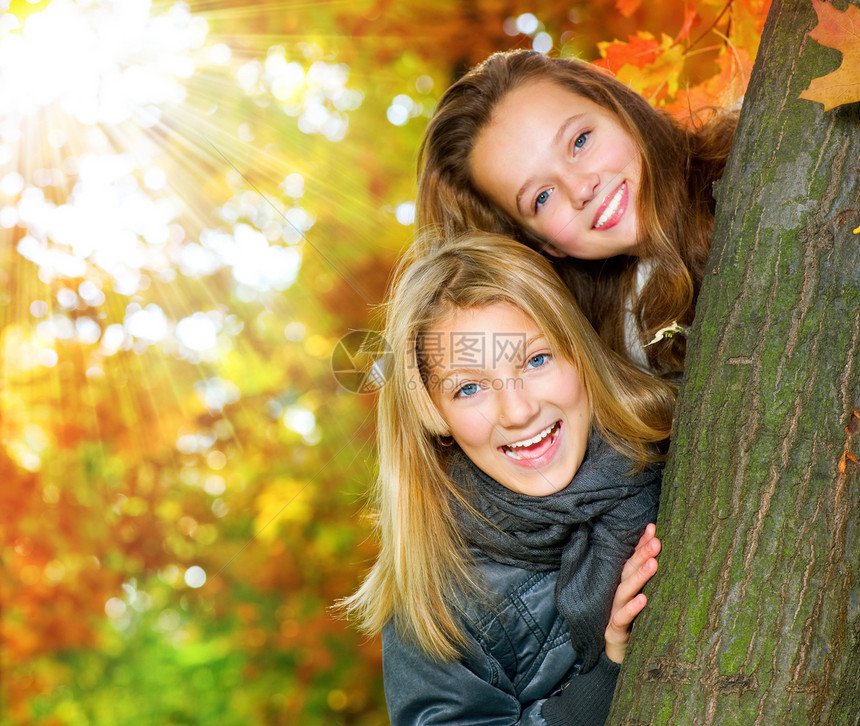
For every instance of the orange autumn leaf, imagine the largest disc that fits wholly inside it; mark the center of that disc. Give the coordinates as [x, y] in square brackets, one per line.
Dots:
[840, 30]
[724, 89]
[691, 20]
[649, 67]
[628, 7]
[641, 50]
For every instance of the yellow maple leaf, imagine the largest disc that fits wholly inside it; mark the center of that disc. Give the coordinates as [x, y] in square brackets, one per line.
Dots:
[656, 75]
[840, 30]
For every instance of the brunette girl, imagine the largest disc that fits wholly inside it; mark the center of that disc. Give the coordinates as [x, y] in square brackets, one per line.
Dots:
[519, 466]
[558, 154]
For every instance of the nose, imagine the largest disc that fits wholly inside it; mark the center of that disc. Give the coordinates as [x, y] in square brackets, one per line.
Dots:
[581, 187]
[517, 407]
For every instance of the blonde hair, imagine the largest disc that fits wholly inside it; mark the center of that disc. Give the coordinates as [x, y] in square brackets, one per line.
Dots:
[675, 202]
[424, 568]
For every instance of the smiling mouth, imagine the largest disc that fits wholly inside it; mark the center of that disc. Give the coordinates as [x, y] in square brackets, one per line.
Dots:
[533, 447]
[611, 207]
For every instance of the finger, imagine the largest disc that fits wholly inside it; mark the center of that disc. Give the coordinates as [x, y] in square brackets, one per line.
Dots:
[649, 533]
[619, 624]
[634, 582]
[646, 541]
[644, 551]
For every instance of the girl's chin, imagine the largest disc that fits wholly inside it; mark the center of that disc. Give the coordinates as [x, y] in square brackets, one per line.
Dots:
[540, 485]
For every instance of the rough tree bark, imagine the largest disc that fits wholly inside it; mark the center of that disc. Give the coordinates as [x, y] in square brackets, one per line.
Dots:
[753, 618]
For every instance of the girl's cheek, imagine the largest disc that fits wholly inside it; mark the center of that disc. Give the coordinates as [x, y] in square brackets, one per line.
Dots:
[555, 230]
[544, 224]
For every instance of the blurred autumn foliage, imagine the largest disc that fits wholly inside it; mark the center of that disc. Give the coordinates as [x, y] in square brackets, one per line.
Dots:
[182, 475]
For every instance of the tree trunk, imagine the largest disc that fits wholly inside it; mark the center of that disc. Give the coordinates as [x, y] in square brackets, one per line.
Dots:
[753, 617]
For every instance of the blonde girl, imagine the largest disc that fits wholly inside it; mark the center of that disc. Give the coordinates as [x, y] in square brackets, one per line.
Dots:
[519, 467]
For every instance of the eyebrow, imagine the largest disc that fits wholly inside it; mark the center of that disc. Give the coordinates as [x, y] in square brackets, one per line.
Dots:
[566, 124]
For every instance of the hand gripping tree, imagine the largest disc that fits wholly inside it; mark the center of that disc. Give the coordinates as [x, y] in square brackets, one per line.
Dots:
[755, 616]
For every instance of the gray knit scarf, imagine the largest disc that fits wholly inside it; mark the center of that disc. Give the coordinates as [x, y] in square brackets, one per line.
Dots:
[586, 531]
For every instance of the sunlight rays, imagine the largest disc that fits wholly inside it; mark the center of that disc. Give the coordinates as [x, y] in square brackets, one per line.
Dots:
[135, 150]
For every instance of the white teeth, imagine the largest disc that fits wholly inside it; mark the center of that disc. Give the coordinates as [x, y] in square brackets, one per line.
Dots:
[611, 209]
[532, 441]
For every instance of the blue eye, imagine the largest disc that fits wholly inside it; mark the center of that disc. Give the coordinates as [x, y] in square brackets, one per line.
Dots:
[542, 198]
[580, 140]
[467, 390]
[536, 361]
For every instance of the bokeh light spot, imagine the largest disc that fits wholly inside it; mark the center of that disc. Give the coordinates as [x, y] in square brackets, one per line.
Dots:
[195, 576]
[527, 23]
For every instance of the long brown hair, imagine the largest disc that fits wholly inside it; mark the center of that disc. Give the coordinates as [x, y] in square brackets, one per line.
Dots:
[424, 567]
[676, 207]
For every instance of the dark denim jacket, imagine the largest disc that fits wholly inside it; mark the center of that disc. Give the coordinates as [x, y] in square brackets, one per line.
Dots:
[520, 656]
